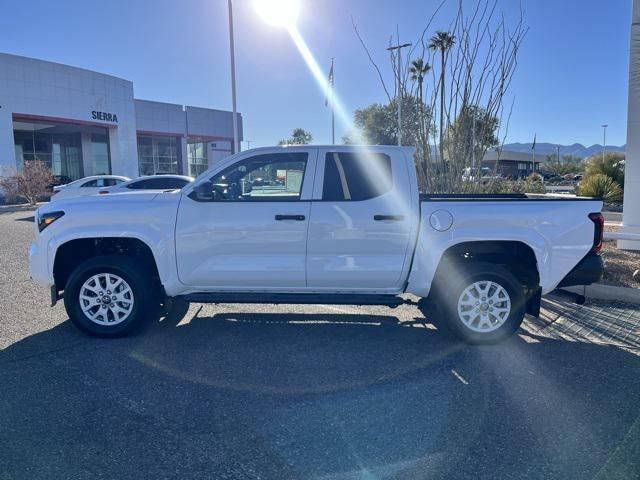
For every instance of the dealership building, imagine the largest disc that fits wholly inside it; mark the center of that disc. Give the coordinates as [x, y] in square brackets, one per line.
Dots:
[82, 123]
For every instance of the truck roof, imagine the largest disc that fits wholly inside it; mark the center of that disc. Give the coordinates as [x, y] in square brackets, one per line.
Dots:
[341, 147]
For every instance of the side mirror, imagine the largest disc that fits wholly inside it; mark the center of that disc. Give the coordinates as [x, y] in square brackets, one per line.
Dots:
[203, 192]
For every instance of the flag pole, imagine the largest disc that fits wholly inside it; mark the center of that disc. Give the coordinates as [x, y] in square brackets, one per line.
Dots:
[533, 152]
[333, 113]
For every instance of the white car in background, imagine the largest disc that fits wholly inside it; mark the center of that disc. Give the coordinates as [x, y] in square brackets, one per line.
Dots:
[151, 182]
[86, 186]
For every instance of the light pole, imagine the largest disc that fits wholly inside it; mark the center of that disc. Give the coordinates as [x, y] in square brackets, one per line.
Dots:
[604, 140]
[399, 87]
[236, 142]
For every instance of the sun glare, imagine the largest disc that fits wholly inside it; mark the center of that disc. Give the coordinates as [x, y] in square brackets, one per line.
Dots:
[283, 13]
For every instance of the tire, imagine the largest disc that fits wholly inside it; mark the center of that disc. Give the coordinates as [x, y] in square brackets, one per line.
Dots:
[472, 316]
[130, 288]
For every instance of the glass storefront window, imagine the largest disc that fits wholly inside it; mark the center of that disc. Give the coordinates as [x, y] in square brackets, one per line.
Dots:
[61, 152]
[100, 152]
[59, 146]
[158, 154]
[197, 155]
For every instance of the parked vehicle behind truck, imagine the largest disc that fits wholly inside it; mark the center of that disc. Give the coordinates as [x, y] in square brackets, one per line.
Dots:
[315, 224]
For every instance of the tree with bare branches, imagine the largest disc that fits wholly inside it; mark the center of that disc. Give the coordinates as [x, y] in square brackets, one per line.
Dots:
[478, 56]
[30, 184]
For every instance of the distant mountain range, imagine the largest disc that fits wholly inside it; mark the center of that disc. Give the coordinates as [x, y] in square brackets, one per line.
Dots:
[577, 149]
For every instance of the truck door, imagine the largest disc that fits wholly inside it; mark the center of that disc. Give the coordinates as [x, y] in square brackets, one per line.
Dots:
[245, 227]
[362, 220]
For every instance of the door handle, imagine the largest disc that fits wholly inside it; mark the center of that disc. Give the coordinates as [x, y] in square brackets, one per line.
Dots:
[299, 218]
[397, 218]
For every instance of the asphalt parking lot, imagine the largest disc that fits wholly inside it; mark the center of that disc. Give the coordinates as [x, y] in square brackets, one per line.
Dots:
[325, 392]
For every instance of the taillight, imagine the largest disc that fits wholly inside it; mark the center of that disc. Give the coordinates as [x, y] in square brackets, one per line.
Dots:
[598, 220]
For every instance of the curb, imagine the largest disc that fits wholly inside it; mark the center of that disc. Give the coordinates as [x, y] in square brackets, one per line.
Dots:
[18, 208]
[610, 293]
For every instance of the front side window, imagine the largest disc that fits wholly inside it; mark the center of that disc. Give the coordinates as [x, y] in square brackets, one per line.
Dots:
[269, 177]
[356, 176]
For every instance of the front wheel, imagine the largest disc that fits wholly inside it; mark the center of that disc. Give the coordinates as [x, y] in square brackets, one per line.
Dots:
[108, 296]
[482, 303]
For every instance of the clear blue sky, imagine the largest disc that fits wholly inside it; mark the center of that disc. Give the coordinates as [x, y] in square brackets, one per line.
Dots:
[571, 78]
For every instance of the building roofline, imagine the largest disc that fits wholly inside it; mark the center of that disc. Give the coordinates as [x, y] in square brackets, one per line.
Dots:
[211, 109]
[65, 65]
[135, 99]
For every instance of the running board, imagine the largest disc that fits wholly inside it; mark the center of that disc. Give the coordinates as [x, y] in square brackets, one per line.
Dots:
[297, 298]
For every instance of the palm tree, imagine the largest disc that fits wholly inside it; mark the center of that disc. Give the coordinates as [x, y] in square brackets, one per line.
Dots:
[418, 71]
[442, 41]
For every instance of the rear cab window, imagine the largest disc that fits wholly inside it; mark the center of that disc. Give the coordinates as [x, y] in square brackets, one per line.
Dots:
[356, 176]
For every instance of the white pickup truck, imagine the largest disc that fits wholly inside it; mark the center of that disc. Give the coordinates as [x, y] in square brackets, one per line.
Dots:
[315, 224]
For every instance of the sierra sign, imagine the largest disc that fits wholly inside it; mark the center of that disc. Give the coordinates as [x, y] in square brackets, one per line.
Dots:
[104, 116]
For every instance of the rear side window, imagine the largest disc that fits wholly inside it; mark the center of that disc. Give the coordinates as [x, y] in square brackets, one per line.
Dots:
[356, 176]
[100, 182]
[158, 184]
[169, 183]
[138, 185]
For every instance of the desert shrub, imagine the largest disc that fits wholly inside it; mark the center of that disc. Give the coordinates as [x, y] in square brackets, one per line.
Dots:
[29, 184]
[600, 186]
[531, 184]
[612, 166]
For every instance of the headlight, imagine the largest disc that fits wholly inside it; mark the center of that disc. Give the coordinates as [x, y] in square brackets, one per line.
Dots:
[47, 219]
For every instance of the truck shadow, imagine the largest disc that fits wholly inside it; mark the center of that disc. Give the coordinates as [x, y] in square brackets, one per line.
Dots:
[315, 395]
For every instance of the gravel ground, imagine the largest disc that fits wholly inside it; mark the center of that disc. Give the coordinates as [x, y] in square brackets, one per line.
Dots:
[619, 264]
[326, 392]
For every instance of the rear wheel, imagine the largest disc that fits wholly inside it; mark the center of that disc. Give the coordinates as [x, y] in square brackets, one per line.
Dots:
[484, 304]
[109, 296]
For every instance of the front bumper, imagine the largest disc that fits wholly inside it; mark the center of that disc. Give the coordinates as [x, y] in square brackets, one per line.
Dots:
[38, 265]
[589, 270]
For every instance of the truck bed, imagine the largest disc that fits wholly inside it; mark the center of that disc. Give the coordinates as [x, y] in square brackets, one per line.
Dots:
[500, 197]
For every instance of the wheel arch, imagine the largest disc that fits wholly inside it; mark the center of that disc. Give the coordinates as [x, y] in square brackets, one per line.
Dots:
[518, 257]
[73, 252]
[515, 256]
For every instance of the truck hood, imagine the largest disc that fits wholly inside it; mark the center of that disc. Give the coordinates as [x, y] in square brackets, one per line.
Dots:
[102, 202]
[144, 215]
